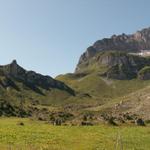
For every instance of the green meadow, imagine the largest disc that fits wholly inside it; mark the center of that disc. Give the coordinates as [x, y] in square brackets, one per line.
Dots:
[38, 135]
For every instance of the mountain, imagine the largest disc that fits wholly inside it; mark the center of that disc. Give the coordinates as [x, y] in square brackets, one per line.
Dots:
[111, 77]
[110, 83]
[19, 86]
[126, 43]
[102, 75]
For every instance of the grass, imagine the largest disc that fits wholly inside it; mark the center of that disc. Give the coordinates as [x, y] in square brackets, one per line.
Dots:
[28, 95]
[103, 88]
[99, 87]
[35, 135]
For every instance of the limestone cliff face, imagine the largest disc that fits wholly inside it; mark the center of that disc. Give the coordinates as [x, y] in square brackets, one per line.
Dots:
[126, 43]
[32, 79]
[118, 65]
[122, 65]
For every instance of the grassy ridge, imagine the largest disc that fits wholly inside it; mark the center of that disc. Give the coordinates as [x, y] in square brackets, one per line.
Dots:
[41, 136]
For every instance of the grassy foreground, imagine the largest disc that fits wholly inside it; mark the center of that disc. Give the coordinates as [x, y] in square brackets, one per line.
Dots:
[36, 135]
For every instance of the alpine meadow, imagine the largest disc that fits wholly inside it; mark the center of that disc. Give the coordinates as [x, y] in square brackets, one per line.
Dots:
[103, 103]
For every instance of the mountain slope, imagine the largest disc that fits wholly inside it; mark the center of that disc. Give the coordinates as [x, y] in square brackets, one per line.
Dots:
[126, 64]
[113, 79]
[133, 105]
[17, 84]
[102, 89]
[107, 78]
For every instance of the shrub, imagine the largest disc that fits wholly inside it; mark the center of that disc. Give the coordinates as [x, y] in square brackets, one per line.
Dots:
[144, 73]
[21, 124]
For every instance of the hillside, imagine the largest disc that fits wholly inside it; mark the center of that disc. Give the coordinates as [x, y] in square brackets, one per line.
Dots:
[103, 74]
[20, 88]
[107, 79]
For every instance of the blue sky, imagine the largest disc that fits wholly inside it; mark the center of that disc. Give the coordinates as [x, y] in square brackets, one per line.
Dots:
[48, 36]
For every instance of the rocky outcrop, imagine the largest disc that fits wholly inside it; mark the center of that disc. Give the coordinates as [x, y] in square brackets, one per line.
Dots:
[90, 52]
[126, 43]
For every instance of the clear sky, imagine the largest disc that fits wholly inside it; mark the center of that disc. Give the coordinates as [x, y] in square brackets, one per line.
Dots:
[48, 36]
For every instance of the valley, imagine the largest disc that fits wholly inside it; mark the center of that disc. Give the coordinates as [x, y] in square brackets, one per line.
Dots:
[106, 98]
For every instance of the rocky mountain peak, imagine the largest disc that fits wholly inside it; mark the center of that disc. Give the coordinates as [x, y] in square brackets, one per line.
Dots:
[12, 69]
[136, 42]
[14, 62]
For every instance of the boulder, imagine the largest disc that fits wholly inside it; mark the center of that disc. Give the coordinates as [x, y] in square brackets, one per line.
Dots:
[139, 122]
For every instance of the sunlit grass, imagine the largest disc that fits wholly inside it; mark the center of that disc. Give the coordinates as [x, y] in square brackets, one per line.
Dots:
[37, 135]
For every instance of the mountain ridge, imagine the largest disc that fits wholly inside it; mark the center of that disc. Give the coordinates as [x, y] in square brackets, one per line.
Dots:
[13, 70]
[127, 43]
